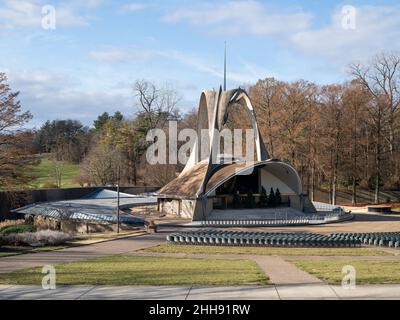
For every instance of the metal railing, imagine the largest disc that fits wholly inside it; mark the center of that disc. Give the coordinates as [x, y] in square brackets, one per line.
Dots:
[300, 220]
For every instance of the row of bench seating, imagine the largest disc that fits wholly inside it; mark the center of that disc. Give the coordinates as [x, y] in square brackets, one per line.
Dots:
[266, 222]
[302, 220]
[387, 239]
[215, 237]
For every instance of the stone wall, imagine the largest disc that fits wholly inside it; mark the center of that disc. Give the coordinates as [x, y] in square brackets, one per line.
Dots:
[69, 226]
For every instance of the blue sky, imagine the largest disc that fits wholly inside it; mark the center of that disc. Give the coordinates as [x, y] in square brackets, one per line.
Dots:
[88, 63]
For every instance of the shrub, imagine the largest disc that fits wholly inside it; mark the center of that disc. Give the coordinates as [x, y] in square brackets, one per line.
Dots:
[263, 198]
[36, 239]
[236, 203]
[49, 185]
[278, 197]
[6, 223]
[372, 182]
[271, 198]
[19, 228]
[250, 200]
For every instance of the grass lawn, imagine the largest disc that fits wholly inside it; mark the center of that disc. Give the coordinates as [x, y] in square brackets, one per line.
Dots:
[367, 272]
[8, 254]
[134, 270]
[172, 248]
[48, 248]
[44, 173]
[109, 235]
[78, 241]
[13, 251]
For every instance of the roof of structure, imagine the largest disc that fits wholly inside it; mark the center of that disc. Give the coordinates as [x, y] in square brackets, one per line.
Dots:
[189, 183]
[98, 206]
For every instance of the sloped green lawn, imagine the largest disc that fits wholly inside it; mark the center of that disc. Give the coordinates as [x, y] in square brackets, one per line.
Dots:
[137, 270]
[193, 249]
[367, 272]
[45, 176]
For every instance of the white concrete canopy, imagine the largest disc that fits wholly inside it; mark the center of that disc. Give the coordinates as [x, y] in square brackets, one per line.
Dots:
[204, 172]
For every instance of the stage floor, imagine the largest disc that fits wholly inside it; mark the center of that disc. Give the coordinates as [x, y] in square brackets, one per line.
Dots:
[256, 214]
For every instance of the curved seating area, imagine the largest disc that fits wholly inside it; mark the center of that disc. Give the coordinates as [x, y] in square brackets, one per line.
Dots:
[303, 220]
[294, 239]
[237, 238]
[385, 239]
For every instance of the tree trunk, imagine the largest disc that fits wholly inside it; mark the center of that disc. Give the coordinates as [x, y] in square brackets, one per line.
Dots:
[312, 191]
[134, 174]
[334, 183]
[378, 161]
[376, 200]
[354, 192]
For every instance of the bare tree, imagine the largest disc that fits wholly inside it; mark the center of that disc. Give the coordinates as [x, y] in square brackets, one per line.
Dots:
[333, 134]
[57, 172]
[158, 104]
[381, 79]
[15, 152]
[355, 100]
[101, 165]
[267, 96]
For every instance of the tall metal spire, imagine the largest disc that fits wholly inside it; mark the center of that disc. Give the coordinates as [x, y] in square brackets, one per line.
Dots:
[225, 68]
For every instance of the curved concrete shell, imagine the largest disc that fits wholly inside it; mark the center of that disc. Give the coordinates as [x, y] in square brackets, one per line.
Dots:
[206, 176]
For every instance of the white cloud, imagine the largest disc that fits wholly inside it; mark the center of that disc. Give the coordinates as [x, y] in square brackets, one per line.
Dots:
[50, 95]
[248, 73]
[240, 17]
[87, 3]
[241, 73]
[28, 13]
[132, 7]
[116, 54]
[377, 28]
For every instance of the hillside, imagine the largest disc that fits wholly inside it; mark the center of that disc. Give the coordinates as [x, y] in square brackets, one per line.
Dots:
[45, 177]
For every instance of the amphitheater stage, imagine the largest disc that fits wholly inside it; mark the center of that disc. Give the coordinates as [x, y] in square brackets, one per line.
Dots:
[256, 214]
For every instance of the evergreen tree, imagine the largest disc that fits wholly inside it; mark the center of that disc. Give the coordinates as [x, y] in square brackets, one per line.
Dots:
[271, 198]
[250, 200]
[263, 198]
[101, 121]
[278, 197]
[236, 199]
[118, 116]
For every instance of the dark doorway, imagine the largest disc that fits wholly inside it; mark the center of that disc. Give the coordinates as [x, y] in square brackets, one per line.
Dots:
[242, 183]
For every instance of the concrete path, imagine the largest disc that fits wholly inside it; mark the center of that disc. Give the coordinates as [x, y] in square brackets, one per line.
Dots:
[289, 281]
[279, 271]
[269, 292]
[282, 272]
[119, 246]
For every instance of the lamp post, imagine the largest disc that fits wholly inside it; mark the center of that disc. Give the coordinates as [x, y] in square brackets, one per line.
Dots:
[119, 176]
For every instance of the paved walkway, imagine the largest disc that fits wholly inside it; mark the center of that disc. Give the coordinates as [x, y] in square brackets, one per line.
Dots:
[269, 292]
[119, 246]
[278, 270]
[282, 272]
[289, 281]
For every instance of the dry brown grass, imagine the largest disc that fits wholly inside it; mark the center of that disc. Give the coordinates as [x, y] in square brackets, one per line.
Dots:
[6, 223]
